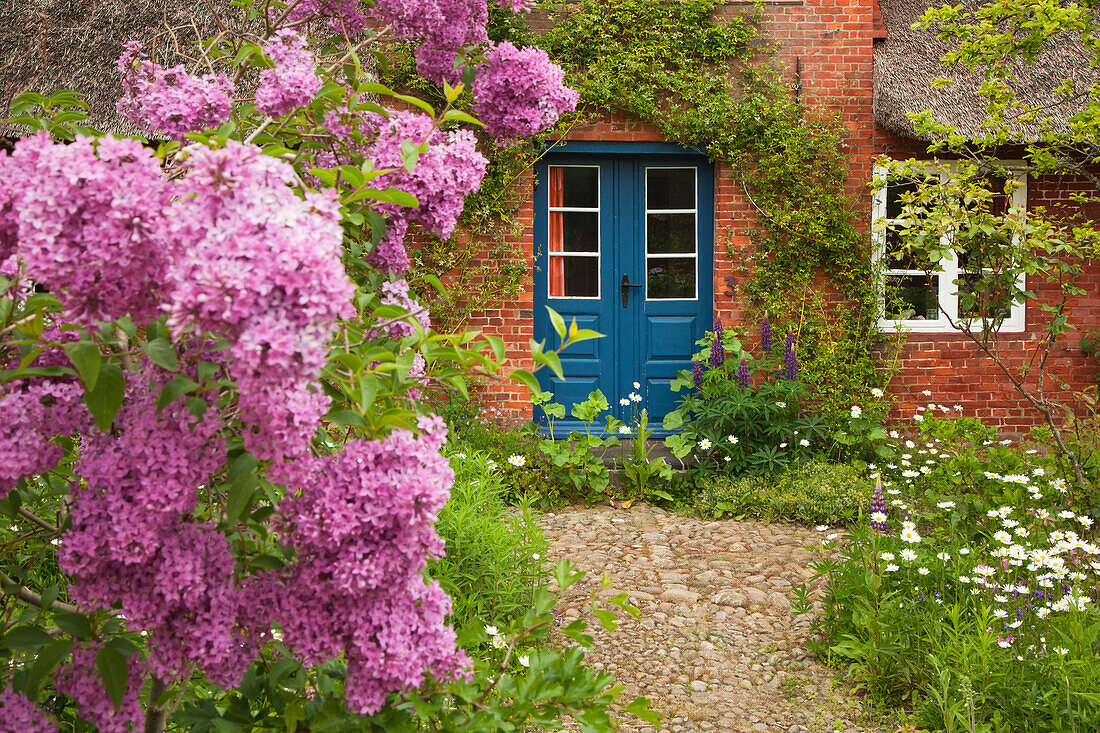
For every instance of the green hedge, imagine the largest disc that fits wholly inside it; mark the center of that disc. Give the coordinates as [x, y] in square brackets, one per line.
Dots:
[814, 493]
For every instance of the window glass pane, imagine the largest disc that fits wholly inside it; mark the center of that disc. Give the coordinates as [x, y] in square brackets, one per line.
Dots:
[574, 277]
[670, 233]
[671, 277]
[895, 191]
[988, 295]
[580, 187]
[912, 297]
[670, 188]
[574, 231]
[896, 258]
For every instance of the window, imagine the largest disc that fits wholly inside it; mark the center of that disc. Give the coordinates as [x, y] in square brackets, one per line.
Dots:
[918, 297]
[574, 236]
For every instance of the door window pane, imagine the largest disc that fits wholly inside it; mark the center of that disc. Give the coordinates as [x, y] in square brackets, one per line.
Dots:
[670, 277]
[580, 186]
[670, 233]
[670, 188]
[574, 231]
[574, 277]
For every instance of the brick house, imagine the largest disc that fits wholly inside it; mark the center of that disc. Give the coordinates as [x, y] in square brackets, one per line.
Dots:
[589, 207]
[859, 57]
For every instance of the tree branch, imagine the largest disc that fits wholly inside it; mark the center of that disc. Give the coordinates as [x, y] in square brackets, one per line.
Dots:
[26, 594]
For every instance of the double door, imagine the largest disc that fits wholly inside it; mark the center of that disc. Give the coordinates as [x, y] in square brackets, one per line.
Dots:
[624, 245]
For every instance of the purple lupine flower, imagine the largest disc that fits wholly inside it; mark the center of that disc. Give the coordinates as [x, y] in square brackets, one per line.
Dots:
[743, 373]
[717, 350]
[767, 342]
[697, 372]
[878, 506]
[790, 358]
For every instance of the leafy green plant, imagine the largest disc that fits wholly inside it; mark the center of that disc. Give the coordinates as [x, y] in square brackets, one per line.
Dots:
[578, 461]
[639, 469]
[812, 493]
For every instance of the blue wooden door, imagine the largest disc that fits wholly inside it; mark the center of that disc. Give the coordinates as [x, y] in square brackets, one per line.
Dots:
[624, 245]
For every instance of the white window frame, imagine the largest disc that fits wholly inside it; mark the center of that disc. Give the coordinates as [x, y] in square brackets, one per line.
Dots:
[694, 256]
[948, 272]
[598, 254]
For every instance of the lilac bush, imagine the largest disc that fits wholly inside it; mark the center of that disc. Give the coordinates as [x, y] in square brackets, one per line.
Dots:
[519, 91]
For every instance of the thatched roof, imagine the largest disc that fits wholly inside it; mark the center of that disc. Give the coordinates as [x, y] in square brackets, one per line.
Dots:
[907, 61]
[51, 45]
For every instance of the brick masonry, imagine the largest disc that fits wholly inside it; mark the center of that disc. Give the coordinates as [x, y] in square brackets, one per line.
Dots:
[830, 43]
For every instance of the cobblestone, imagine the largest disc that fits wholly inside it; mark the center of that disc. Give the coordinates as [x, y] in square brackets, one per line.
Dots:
[716, 647]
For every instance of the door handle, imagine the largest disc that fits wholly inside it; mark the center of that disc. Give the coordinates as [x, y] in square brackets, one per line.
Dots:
[625, 287]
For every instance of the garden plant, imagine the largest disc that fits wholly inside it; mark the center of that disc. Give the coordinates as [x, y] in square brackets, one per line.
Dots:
[219, 486]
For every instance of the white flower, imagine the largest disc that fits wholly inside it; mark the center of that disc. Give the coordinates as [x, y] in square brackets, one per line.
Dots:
[535, 556]
[876, 392]
[946, 505]
[624, 401]
[923, 571]
[782, 445]
[910, 473]
[637, 385]
[491, 464]
[957, 408]
[635, 397]
[1066, 514]
[732, 439]
[908, 525]
[1038, 472]
[910, 536]
[894, 434]
[908, 555]
[705, 444]
[1085, 521]
[499, 642]
[517, 460]
[943, 556]
[887, 556]
[856, 411]
[727, 459]
[918, 418]
[1004, 643]
[804, 443]
[524, 661]
[1061, 650]
[491, 630]
[624, 430]
[1003, 537]
[891, 568]
[927, 393]
[458, 455]
[1000, 613]
[964, 550]
[878, 517]
[781, 405]
[822, 528]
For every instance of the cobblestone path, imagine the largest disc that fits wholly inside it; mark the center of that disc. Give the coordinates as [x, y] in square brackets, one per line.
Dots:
[716, 648]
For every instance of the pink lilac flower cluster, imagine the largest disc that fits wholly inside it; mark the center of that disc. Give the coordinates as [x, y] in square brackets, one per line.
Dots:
[89, 224]
[20, 715]
[293, 83]
[519, 92]
[418, 374]
[397, 293]
[449, 169]
[81, 681]
[444, 28]
[389, 255]
[262, 269]
[170, 101]
[130, 543]
[362, 531]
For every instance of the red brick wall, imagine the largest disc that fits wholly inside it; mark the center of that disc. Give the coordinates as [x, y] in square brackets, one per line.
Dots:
[830, 43]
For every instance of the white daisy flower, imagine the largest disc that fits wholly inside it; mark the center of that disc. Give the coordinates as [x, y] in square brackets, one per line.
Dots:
[624, 430]
[876, 392]
[856, 411]
[705, 444]
[908, 555]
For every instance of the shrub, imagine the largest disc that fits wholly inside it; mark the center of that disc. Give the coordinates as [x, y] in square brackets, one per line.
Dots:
[814, 493]
[494, 557]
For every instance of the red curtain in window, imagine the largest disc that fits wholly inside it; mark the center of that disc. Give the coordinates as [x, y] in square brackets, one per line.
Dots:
[556, 241]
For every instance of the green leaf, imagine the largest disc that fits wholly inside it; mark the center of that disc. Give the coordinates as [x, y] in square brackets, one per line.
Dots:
[527, 379]
[105, 399]
[86, 359]
[48, 658]
[26, 638]
[550, 359]
[115, 673]
[639, 707]
[172, 391]
[557, 322]
[162, 353]
[605, 617]
[75, 624]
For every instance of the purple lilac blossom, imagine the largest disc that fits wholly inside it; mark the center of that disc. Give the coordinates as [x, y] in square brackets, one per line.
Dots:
[263, 270]
[82, 681]
[20, 715]
[717, 348]
[90, 224]
[397, 293]
[362, 531]
[444, 28]
[697, 372]
[767, 341]
[346, 17]
[170, 101]
[449, 169]
[389, 255]
[743, 379]
[878, 504]
[519, 92]
[293, 83]
[790, 357]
